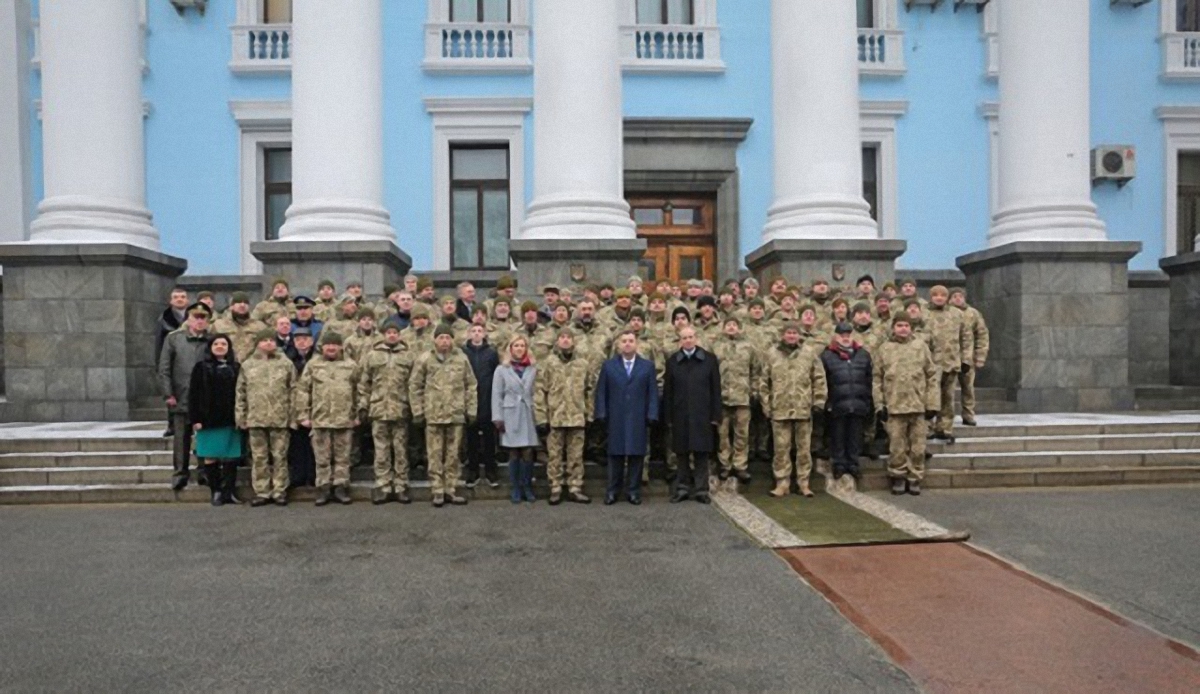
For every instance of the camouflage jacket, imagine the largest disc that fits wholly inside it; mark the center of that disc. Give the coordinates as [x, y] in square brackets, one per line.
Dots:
[458, 325]
[739, 360]
[419, 341]
[978, 338]
[792, 382]
[269, 309]
[344, 327]
[871, 336]
[592, 342]
[383, 388]
[241, 333]
[709, 330]
[360, 344]
[327, 393]
[264, 392]
[541, 340]
[824, 314]
[443, 389]
[905, 377]
[326, 311]
[763, 334]
[564, 390]
[949, 338]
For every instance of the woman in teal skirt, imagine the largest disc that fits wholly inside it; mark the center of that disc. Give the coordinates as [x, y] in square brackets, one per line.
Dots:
[211, 404]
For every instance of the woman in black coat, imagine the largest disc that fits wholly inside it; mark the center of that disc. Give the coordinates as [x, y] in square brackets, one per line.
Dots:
[212, 399]
[848, 375]
[692, 397]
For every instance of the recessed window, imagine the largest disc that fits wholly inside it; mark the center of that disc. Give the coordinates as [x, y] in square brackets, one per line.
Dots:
[277, 11]
[1187, 208]
[870, 166]
[665, 12]
[1187, 15]
[479, 207]
[649, 216]
[480, 11]
[866, 14]
[277, 189]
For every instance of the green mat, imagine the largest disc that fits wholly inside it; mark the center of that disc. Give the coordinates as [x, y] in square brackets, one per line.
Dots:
[823, 520]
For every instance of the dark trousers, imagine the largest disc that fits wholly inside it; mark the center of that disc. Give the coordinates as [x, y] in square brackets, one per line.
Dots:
[617, 475]
[693, 474]
[181, 447]
[481, 447]
[302, 461]
[845, 441]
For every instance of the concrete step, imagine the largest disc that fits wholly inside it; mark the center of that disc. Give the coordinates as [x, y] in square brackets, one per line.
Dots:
[1167, 398]
[63, 476]
[1055, 460]
[138, 443]
[1130, 425]
[1025, 477]
[1072, 442]
[79, 459]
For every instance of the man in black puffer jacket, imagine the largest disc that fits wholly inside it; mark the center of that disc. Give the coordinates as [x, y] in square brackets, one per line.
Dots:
[848, 373]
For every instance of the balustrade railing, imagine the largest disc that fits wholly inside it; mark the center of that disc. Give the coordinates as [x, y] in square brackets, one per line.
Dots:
[671, 47]
[881, 51]
[482, 46]
[262, 48]
[1181, 55]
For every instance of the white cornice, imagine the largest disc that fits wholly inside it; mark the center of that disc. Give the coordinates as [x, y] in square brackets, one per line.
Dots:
[1177, 112]
[147, 108]
[883, 108]
[989, 109]
[252, 115]
[478, 104]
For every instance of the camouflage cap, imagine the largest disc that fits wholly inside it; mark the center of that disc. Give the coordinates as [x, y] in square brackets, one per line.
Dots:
[332, 338]
[424, 283]
[447, 299]
[889, 285]
[502, 300]
[239, 298]
[808, 307]
[419, 311]
[364, 313]
[347, 299]
[264, 334]
[939, 289]
[657, 296]
[861, 307]
[506, 282]
[565, 331]
[443, 329]
[324, 283]
[731, 318]
[528, 306]
[623, 294]
[392, 324]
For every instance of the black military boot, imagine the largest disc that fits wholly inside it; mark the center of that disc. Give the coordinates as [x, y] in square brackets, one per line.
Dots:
[379, 496]
[324, 494]
[229, 482]
[342, 494]
[899, 486]
[914, 488]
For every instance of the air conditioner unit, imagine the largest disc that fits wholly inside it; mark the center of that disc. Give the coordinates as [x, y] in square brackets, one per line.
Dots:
[1114, 163]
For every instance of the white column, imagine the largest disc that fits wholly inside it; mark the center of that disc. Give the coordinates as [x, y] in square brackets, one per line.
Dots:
[16, 184]
[337, 123]
[818, 145]
[1045, 187]
[93, 150]
[578, 175]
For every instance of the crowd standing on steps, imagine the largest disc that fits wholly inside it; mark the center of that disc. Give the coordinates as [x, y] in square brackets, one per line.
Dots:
[651, 378]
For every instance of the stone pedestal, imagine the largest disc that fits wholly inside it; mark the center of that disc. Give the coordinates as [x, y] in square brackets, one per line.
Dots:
[838, 261]
[79, 327]
[1184, 271]
[1058, 312]
[305, 263]
[574, 261]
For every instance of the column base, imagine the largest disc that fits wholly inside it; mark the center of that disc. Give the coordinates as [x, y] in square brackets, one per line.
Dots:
[305, 263]
[1058, 312]
[87, 220]
[575, 261]
[838, 261]
[79, 328]
[1184, 271]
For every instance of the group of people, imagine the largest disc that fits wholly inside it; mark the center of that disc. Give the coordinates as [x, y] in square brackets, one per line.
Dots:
[677, 372]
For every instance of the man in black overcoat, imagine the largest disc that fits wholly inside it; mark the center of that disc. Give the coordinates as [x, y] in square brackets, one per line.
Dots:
[692, 393]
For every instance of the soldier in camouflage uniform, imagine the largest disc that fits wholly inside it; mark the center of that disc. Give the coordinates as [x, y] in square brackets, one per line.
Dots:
[327, 402]
[591, 343]
[539, 337]
[563, 404]
[418, 335]
[908, 290]
[444, 397]
[263, 408]
[974, 356]
[501, 323]
[276, 305]
[383, 393]
[326, 308]
[355, 289]
[706, 323]
[240, 327]
[739, 362]
[763, 334]
[822, 302]
[792, 389]
[949, 343]
[905, 391]
[774, 300]
[449, 318]
[920, 331]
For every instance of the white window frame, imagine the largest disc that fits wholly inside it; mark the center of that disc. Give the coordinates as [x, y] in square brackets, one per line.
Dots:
[1173, 45]
[704, 21]
[262, 125]
[887, 24]
[475, 120]
[438, 19]
[990, 110]
[1181, 133]
[877, 124]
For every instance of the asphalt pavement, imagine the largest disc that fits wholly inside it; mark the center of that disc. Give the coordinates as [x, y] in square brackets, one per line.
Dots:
[487, 597]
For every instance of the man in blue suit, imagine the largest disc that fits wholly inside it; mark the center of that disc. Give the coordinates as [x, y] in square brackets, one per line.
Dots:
[627, 399]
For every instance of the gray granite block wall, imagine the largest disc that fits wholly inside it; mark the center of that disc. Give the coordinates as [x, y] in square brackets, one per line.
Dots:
[802, 260]
[1184, 306]
[305, 263]
[1149, 328]
[571, 262]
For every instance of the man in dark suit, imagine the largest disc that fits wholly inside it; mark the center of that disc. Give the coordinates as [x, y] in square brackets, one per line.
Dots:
[464, 306]
[627, 400]
[692, 399]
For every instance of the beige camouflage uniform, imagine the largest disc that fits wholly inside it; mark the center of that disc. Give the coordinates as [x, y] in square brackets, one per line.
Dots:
[360, 344]
[906, 385]
[271, 308]
[949, 343]
[383, 392]
[327, 396]
[563, 401]
[739, 361]
[791, 385]
[443, 392]
[241, 333]
[263, 408]
[975, 354]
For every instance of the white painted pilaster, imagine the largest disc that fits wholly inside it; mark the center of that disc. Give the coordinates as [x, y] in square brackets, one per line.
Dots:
[577, 127]
[16, 182]
[1045, 188]
[818, 151]
[92, 132]
[337, 124]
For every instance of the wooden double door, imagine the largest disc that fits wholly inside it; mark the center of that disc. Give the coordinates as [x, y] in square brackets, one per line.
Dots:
[680, 235]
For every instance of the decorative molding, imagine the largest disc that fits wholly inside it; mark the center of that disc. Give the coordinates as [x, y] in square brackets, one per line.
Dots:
[147, 108]
[264, 115]
[672, 48]
[687, 128]
[1181, 133]
[477, 47]
[878, 126]
[262, 125]
[1180, 50]
[990, 110]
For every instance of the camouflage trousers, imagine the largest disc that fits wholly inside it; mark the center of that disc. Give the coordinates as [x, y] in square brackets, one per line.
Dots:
[565, 443]
[443, 444]
[331, 448]
[269, 462]
[789, 433]
[945, 419]
[966, 382]
[391, 455]
[732, 438]
[906, 448]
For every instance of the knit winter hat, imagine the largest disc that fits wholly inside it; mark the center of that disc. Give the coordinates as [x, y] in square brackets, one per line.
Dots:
[443, 329]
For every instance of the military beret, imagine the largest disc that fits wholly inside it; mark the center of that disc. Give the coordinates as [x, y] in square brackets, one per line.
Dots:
[939, 289]
[680, 310]
[265, 334]
[637, 312]
[528, 306]
[749, 282]
[304, 302]
[392, 324]
[706, 300]
[901, 318]
[390, 289]
[756, 301]
[332, 338]
[549, 288]
[364, 313]
[861, 307]
[506, 282]
[424, 283]
[623, 294]
[204, 295]
[353, 283]
[443, 329]
[419, 311]
[732, 319]
[306, 332]
[239, 298]
[324, 283]
[843, 328]
[199, 309]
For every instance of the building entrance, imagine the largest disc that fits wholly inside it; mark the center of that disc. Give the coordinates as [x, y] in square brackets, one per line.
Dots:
[680, 234]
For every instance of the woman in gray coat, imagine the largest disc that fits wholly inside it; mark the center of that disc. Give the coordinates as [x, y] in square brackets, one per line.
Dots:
[512, 413]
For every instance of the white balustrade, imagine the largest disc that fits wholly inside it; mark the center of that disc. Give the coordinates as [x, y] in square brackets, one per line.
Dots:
[482, 46]
[1181, 56]
[671, 47]
[261, 48]
[881, 52]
